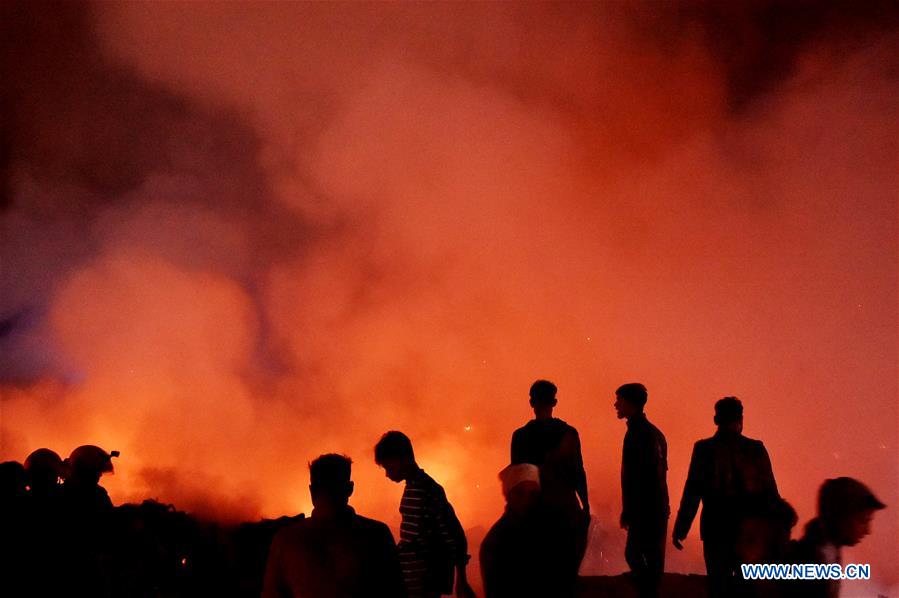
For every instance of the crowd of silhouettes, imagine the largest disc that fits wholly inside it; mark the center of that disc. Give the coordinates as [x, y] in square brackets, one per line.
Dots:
[60, 534]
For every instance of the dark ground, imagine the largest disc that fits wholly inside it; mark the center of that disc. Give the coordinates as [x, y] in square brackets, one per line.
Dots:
[674, 585]
[156, 551]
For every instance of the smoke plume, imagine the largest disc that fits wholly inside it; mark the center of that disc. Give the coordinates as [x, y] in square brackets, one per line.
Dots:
[236, 236]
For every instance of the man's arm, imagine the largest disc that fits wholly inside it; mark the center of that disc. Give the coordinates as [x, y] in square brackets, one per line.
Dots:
[628, 468]
[453, 537]
[769, 484]
[580, 476]
[656, 468]
[661, 481]
[517, 453]
[689, 502]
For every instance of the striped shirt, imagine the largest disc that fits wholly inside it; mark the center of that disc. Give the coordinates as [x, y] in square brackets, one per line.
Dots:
[432, 541]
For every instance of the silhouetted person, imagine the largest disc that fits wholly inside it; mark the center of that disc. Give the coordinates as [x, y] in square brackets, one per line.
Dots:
[44, 471]
[82, 491]
[555, 447]
[763, 536]
[13, 534]
[335, 552]
[87, 514]
[517, 555]
[12, 487]
[846, 508]
[644, 490]
[726, 470]
[432, 542]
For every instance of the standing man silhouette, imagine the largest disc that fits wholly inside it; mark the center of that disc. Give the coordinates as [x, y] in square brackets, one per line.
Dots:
[555, 447]
[335, 553]
[726, 472]
[644, 490]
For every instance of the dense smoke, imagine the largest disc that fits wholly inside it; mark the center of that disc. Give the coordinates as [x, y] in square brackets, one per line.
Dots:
[235, 236]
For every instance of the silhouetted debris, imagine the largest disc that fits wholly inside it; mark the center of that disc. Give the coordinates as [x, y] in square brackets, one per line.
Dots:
[160, 551]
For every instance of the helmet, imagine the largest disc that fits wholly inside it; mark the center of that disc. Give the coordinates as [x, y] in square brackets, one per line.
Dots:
[91, 458]
[43, 460]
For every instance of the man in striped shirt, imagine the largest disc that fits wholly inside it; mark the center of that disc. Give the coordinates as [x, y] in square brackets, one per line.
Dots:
[432, 542]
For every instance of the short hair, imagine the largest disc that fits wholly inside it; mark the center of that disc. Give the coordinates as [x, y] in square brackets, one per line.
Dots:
[728, 410]
[330, 471]
[393, 444]
[543, 392]
[634, 393]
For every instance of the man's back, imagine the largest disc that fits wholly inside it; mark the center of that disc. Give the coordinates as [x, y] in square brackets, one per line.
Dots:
[343, 556]
[813, 547]
[555, 447]
[518, 559]
[724, 470]
[536, 440]
[432, 540]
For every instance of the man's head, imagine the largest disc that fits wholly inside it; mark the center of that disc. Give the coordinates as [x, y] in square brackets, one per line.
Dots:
[329, 481]
[543, 398]
[521, 487]
[394, 453]
[729, 414]
[846, 508]
[630, 400]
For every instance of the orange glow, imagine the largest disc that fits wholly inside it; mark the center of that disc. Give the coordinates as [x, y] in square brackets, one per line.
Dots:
[586, 210]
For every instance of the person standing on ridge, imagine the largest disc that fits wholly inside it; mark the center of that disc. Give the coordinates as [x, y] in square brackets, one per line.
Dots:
[555, 447]
[644, 490]
[726, 471]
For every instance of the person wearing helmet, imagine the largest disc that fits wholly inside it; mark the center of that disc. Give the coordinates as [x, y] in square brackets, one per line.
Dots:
[87, 513]
[43, 471]
[87, 464]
